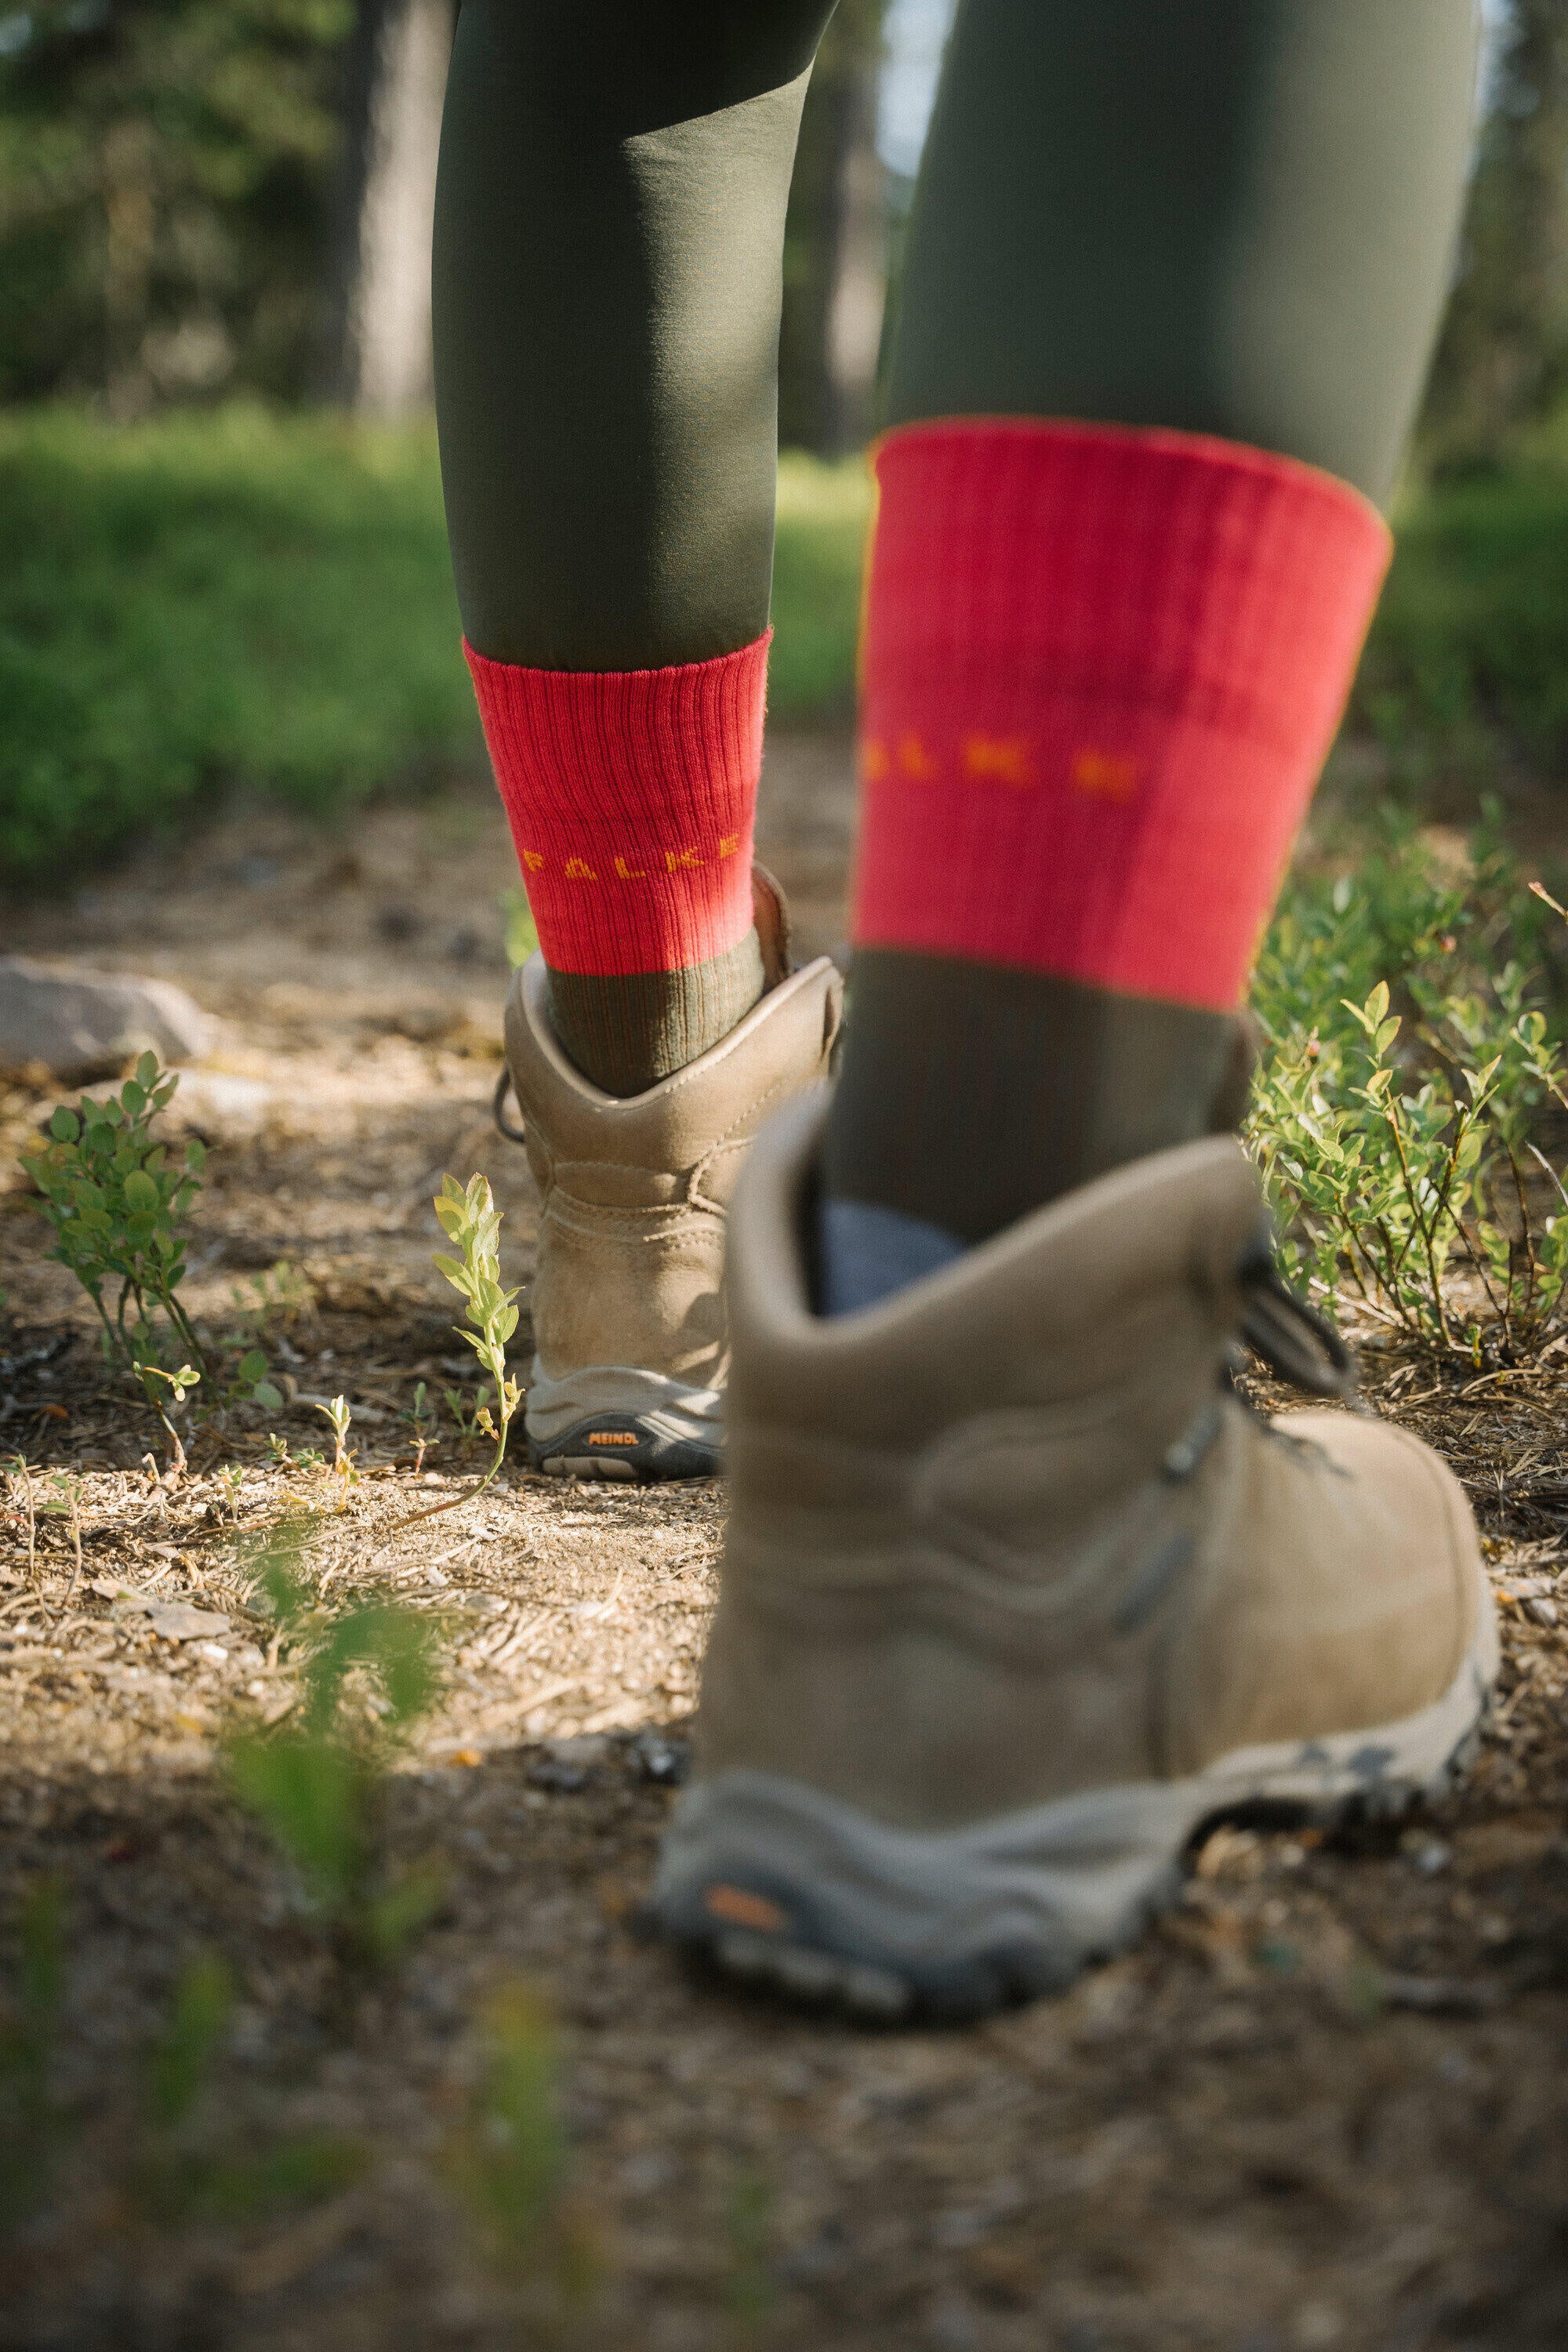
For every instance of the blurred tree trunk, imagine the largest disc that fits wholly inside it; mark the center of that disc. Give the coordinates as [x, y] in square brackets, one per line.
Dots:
[395, 81]
[836, 244]
[1503, 355]
[130, 241]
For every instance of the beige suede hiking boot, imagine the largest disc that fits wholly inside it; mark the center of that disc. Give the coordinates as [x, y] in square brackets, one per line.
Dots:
[1019, 1593]
[631, 1348]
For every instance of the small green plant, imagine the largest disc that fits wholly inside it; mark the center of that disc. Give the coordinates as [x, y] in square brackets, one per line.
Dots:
[187, 2163]
[119, 1210]
[32, 2124]
[282, 1294]
[749, 2288]
[230, 1478]
[470, 1418]
[339, 1413]
[66, 1505]
[509, 2159]
[521, 931]
[249, 1383]
[299, 2168]
[182, 2057]
[1398, 1145]
[318, 1782]
[471, 1219]
[421, 1418]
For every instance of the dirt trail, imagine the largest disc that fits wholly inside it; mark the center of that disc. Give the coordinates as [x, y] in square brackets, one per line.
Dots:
[1326, 2105]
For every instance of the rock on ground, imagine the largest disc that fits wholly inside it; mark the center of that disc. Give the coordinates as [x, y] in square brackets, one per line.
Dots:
[77, 1024]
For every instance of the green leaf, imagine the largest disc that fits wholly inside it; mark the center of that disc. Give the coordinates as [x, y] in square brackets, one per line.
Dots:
[65, 1126]
[140, 1193]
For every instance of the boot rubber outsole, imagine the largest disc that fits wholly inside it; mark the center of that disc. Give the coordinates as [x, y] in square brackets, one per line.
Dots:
[624, 1447]
[795, 1893]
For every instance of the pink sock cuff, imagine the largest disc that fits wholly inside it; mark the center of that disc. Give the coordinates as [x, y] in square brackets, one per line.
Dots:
[631, 796]
[1101, 669]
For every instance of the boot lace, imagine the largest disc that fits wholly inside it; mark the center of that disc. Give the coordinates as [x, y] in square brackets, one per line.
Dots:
[1292, 1339]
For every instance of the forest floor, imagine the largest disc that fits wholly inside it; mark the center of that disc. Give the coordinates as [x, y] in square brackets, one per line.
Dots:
[1324, 2106]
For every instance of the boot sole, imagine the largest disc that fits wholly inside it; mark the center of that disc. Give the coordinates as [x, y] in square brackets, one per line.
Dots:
[623, 1447]
[795, 1893]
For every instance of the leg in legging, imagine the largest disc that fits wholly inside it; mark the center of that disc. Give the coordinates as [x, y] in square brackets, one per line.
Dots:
[1196, 256]
[608, 242]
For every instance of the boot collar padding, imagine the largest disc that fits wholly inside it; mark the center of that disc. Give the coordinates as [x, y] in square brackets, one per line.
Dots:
[1075, 1295]
[674, 1124]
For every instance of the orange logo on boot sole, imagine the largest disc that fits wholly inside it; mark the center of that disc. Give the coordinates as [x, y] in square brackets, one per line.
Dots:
[744, 1909]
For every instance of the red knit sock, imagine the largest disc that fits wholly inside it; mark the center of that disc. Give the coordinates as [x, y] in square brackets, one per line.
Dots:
[631, 796]
[1103, 667]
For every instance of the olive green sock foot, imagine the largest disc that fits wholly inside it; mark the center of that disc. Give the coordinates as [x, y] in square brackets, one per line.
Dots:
[627, 1030]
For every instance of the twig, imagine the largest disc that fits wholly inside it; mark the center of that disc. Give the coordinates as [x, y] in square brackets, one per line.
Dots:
[1549, 1170]
[19, 1470]
[453, 1502]
[75, 1543]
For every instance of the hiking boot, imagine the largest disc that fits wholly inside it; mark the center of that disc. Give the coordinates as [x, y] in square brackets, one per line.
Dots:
[1018, 1594]
[631, 1352]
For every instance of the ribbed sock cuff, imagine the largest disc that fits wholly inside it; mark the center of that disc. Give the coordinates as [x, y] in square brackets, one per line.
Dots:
[1101, 669]
[631, 796]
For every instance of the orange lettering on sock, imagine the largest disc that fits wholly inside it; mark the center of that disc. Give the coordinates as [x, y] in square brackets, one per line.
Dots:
[914, 761]
[997, 759]
[533, 860]
[627, 873]
[1102, 774]
[675, 859]
[579, 870]
[873, 759]
[728, 842]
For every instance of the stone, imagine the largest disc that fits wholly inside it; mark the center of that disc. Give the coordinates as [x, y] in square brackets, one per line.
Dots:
[176, 1621]
[76, 1024]
[221, 1104]
[664, 1760]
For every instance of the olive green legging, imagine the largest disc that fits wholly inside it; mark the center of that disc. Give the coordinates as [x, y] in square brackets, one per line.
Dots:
[1233, 217]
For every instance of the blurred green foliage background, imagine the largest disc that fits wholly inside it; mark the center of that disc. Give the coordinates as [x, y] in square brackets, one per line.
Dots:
[214, 596]
[238, 594]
